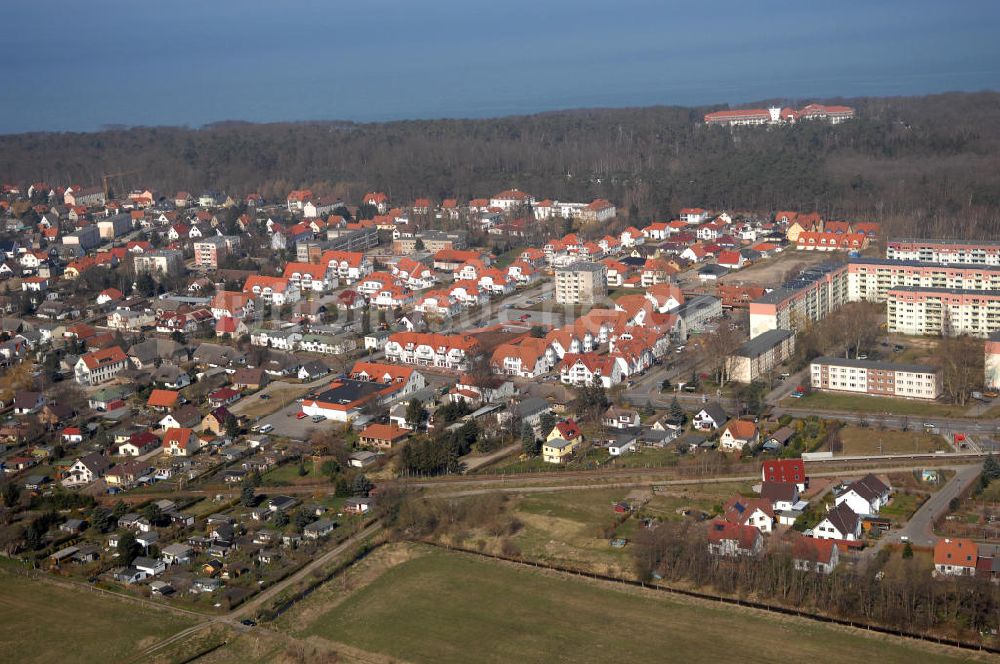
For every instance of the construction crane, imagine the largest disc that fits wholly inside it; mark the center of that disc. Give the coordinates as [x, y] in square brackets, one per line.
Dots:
[107, 177]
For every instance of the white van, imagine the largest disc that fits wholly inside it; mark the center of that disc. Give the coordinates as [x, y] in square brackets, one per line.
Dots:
[267, 428]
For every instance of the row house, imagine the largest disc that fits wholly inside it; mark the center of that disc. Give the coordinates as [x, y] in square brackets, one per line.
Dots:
[326, 344]
[287, 339]
[450, 351]
[823, 241]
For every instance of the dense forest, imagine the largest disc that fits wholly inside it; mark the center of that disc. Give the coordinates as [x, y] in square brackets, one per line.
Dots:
[925, 165]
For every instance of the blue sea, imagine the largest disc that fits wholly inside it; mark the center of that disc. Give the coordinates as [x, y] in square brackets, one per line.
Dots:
[79, 66]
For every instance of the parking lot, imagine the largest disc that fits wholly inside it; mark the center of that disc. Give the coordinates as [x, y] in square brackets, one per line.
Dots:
[286, 423]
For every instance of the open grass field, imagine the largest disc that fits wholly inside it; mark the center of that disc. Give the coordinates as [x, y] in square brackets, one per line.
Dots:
[446, 608]
[46, 623]
[865, 404]
[858, 440]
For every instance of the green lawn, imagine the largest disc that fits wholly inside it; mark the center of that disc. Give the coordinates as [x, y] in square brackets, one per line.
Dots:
[902, 507]
[858, 440]
[442, 608]
[866, 404]
[45, 623]
[288, 473]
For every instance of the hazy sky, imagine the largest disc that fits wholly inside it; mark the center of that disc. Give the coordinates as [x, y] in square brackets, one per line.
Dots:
[80, 64]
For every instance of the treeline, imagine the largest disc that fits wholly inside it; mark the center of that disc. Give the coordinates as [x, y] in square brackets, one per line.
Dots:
[921, 165]
[903, 596]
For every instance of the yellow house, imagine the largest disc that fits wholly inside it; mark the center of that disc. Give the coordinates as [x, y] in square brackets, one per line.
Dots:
[557, 450]
[561, 442]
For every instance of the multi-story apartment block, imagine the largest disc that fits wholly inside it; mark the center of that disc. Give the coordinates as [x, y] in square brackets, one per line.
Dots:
[811, 296]
[582, 282]
[943, 311]
[912, 381]
[871, 279]
[945, 252]
[161, 261]
[209, 251]
[757, 357]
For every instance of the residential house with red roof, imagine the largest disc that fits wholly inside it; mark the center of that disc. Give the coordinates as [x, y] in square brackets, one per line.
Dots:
[349, 266]
[738, 435]
[785, 470]
[755, 512]
[383, 436]
[733, 539]
[657, 231]
[955, 556]
[732, 260]
[815, 555]
[449, 351]
[528, 358]
[100, 366]
[631, 237]
[180, 442]
[438, 303]
[310, 277]
[277, 291]
[377, 200]
[583, 369]
[231, 304]
[414, 274]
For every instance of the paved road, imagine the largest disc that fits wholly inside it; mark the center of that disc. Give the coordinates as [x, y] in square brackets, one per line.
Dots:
[920, 528]
[894, 421]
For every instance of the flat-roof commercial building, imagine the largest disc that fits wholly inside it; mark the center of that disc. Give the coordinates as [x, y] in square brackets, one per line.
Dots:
[582, 282]
[943, 311]
[761, 354]
[886, 379]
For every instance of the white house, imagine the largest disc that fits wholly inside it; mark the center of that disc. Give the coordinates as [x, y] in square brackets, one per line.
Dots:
[865, 496]
[841, 523]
